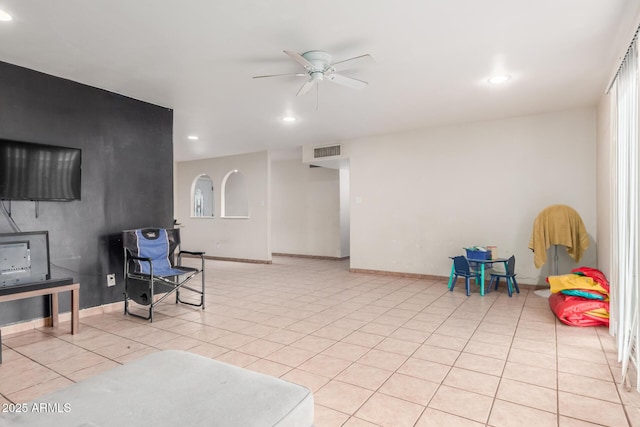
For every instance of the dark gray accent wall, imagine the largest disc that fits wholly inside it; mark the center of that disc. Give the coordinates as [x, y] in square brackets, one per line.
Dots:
[127, 178]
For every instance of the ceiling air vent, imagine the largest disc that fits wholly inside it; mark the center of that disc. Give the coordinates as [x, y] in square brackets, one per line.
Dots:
[328, 151]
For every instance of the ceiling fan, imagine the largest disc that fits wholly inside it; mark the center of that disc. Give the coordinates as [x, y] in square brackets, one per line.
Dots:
[318, 67]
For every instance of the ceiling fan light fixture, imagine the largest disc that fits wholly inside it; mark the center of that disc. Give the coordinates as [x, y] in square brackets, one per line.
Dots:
[499, 79]
[4, 16]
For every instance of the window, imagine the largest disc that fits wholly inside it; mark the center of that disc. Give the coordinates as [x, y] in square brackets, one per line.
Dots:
[626, 217]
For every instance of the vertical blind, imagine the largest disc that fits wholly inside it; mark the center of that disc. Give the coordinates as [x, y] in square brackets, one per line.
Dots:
[625, 221]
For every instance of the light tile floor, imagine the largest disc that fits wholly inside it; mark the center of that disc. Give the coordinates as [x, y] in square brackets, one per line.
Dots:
[375, 350]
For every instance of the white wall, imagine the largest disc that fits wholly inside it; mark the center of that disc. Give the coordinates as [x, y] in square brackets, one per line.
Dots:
[605, 199]
[419, 197]
[226, 237]
[305, 209]
[603, 185]
[345, 213]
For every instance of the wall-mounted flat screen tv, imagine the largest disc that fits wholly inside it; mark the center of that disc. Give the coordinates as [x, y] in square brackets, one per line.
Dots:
[30, 171]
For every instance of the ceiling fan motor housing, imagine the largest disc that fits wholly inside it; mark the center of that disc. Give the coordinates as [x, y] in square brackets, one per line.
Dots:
[320, 61]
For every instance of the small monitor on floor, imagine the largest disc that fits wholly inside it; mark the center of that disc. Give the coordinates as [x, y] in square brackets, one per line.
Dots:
[24, 258]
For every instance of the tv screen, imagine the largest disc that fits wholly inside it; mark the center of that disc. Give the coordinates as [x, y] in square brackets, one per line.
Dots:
[31, 171]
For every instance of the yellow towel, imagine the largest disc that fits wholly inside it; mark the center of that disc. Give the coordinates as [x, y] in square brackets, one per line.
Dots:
[574, 281]
[558, 225]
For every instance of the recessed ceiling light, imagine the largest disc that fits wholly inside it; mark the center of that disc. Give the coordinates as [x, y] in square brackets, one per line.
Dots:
[193, 137]
[4, 16]
[499, 79]
[289, 119]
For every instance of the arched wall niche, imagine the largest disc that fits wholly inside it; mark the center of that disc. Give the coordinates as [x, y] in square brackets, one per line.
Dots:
[202, 197]
[235, 196]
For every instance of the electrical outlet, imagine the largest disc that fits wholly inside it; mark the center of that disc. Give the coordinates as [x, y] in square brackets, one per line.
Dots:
[111, 279]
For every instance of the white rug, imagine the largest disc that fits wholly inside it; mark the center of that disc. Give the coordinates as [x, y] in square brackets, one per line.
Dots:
[544, 293]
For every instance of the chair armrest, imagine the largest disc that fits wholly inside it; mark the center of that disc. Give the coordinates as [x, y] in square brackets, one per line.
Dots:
[191, 253]
[140, 258]
[137, 258]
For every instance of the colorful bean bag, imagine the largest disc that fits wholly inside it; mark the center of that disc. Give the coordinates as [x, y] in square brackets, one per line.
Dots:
[580, 298]
[578, 311]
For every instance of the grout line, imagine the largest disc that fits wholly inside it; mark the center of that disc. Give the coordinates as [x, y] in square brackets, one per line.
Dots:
[555, 331]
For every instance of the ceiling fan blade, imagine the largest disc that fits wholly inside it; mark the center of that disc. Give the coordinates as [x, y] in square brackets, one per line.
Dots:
[282, 75]
[300, 60]
[306, 87]
[346, 81]
[353, 62]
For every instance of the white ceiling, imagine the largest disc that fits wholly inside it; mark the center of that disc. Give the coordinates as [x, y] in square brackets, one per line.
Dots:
[432, 61]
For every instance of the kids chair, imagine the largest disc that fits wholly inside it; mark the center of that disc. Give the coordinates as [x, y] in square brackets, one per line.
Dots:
[461, 269]
[149, 262]
[509, 275]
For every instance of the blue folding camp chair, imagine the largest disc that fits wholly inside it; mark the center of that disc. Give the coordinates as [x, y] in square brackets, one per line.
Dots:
[149, 261]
